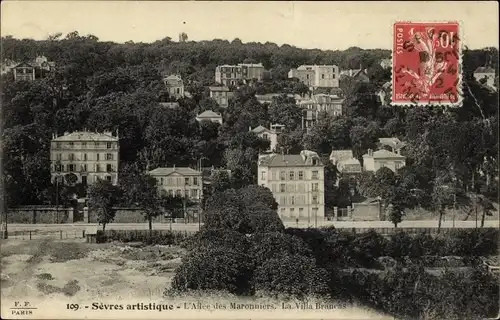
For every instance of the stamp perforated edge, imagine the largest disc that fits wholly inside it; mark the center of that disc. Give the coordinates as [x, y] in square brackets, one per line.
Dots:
[460, 83]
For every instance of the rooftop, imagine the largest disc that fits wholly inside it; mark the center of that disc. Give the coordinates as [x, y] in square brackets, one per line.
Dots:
[379, 154]
[86, 136]
[185, 171]
[260, 129]
[289, 160]
[219, 88]
[209, 114]
[340, 155]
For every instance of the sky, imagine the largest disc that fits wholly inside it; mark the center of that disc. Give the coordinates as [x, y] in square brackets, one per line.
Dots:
[322, 25]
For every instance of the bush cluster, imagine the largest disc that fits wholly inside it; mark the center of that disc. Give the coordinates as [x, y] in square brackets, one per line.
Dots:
[161, 237]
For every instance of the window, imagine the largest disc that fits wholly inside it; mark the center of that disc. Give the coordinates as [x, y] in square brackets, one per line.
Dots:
[273, 175]
[322, 76]
[97, 157]
[108, 178]
[71, 156]
[282, 211]
[97, 168]
[109, 156]
[315, 199]
[301, 212]
[263, 175]
[161, 181]
[96, 144]
[265, 136]
[282, 175]
[194, 193]
[59, 156]
[315, 212]
[108, 145]
[170, 192]
[315, 162]
[84, 168]
[169, 181]
[58, 167]
[84, 157]
[292, 200]
[84, 180]
[314, 187]
[186, 181]
[109, 168]
[307, 76]
[71, 144]
[333, 75]
[292, 175]
[314, 175]
[195, 181]
[58, 145]
[84, 144]
[178, 192]
[282, 187]
[71, 167]
[301, 175]
[282, 200]
[292, 211]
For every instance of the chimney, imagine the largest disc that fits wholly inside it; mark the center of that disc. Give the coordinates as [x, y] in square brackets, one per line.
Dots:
[370, 152]
[174, 167]
[66, 133]
[249, 128]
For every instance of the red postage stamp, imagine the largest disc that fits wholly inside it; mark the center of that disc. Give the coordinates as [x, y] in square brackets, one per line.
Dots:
[427, 64]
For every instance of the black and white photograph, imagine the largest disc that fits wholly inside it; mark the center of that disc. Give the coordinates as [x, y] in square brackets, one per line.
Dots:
[249, 160]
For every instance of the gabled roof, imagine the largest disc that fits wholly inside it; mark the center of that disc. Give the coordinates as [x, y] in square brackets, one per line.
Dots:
[185, 171]
[86, 136]
[485, 70]
[340, 155]
[260, 129]
[286, 160]
[379, 154]
[24, 64]
[350, 161]
[173, 77]
[209, 114]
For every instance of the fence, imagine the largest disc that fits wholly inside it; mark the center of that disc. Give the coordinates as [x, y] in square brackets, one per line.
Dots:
[390, 231]
[52, 234]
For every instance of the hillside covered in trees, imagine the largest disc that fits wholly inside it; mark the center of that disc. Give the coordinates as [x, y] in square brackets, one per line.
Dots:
[101, 86]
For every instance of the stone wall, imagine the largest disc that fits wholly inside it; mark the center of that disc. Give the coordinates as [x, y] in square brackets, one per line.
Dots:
[39, 214]
[128, 215]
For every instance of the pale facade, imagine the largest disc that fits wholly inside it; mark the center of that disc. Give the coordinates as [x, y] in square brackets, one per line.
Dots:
[331, 104]
[487, 73]
[269, 134]
[297, 184]
[29, 71]
[242, 72]
[174, 85]
[88, 156]
[317, 76]
[373, 161]
[221, 95]
[181, 182]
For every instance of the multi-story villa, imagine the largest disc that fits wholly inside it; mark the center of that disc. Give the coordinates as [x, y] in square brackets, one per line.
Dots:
[242, 72]
[84, 157]
[331, 104]
[182, 182]
[221, 95]
[175, 86]
[209, 115]
[373, 161]
[324, 76]
[297, 183]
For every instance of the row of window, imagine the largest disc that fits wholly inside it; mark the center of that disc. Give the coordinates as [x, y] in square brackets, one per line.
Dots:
[83, 168]
[187, 181]
[292, 175]
[296, 200]
[71, 157]
[84, 144]
[186, 193]
[300, 213]
[283, 187]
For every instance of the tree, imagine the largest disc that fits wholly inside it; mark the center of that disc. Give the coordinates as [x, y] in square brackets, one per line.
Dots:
[214, 268]
[102, 198]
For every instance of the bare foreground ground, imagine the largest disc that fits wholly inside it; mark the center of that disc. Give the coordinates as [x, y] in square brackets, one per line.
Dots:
[48, 272]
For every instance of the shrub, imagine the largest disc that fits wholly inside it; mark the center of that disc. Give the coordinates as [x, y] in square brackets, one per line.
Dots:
[218, 238]
[219, 269]
[369, 246]
[290, 274]
[265, 246]
[161, 237]
[399, 245]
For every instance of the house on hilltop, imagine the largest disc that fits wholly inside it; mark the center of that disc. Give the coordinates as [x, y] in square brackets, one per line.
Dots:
[209, 115]
[31, 70]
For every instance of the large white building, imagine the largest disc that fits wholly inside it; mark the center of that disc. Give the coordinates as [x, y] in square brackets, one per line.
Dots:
[240, 73]
[373, 161]
[84, 157]
[297, 183]
[314, 76]
[323, 103]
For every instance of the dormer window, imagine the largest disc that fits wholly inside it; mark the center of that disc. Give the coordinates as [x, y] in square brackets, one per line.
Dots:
[315, 162]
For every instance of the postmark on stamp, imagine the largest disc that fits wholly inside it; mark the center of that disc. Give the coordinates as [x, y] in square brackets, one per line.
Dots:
[427, 64]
